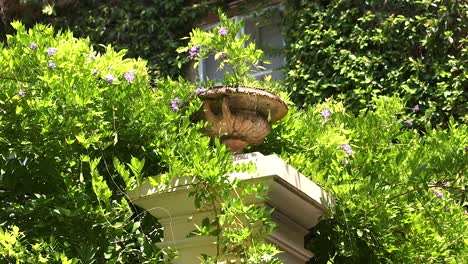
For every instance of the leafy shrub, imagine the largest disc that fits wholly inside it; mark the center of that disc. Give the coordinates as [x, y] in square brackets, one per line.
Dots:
[150, 29]
[70, 117]
[355, 50]
[12, 247]
[79, 129]
[400, 196]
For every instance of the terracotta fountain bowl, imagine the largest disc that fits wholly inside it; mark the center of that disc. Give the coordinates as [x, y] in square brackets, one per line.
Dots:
[241, 115]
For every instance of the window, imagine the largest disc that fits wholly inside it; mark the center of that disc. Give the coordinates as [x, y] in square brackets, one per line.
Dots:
[265, 31]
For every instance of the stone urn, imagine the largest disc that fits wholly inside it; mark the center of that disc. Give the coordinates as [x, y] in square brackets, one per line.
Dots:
[240, 115]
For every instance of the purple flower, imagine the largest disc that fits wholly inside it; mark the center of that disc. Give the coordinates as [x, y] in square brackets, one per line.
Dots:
[224, 56]
[193, 52]
[95, 71]
[447, 208]
[33, 46]
[129, 76]
[408, 123]
[347, 148]
[326, 114]
[51, 51]
[200, 90]
[21, 93]
[439, 195]
[175, 104]
[92, 56]
[109, 78]
[416, 108]
[222, 31]
[52, 65]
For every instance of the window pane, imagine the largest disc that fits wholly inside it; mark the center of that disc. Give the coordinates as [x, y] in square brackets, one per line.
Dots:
[266, 33]
[211, 69]
[269, 39]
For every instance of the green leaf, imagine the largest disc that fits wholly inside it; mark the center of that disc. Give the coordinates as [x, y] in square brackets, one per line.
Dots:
[359, 232]
[136, 226]
[136, 166]
[100, 187]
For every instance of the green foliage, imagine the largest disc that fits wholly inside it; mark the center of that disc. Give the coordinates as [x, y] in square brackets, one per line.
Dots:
[62, 127]
[238, 58]
[355, 50]
[11, 248]
[150, 29]
[400, 195]
[79, 129]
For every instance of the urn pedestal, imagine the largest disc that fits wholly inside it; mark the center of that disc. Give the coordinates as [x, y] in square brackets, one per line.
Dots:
[298, 204]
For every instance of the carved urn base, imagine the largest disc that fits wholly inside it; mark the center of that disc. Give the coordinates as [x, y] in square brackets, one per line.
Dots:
[240, 115]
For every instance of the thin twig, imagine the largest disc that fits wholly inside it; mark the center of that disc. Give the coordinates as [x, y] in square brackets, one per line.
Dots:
[14, 79]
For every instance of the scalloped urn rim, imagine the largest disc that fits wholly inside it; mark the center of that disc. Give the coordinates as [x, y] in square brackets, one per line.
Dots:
[258, 99]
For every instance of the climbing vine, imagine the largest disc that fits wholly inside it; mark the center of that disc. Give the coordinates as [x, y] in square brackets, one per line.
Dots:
[356, 50]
